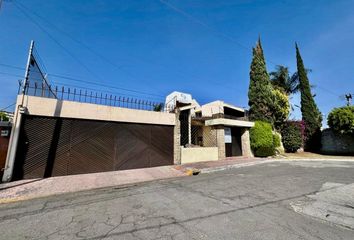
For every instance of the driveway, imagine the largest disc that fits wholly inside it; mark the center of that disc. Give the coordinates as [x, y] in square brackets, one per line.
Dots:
[266, 201]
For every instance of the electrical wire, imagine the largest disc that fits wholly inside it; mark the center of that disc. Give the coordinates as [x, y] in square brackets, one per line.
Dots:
[7, 107]
[212, 29]
[55, 40]
[82, 81]
[102, 56]
[82, 44]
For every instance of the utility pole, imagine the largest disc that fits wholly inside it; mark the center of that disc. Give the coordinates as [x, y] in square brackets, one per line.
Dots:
[349, 98]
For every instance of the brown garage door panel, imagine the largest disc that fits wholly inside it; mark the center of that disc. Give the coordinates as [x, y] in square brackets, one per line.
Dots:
[69, 146]
[132, 144]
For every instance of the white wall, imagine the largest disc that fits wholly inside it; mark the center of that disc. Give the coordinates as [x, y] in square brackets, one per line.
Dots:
[198, 154]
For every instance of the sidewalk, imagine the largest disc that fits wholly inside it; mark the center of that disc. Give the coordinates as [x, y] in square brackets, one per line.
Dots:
[35, 188]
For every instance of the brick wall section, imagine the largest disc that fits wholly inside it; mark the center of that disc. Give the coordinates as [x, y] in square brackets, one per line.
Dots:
[246, 143]
[333, 143]
[220, 138]
[177, 140]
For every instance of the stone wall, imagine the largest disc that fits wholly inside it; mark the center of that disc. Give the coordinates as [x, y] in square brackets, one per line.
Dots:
[177, 140]
[220, 138]
[334, 143]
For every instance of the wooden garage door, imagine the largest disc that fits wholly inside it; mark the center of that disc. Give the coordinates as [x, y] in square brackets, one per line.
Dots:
[57, 146]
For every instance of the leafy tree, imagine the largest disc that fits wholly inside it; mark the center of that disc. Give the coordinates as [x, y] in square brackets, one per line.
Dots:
[342, 120]
[3, 117]
[310, 113]
[260, 97]
[282, 80]
[291, 137]
[281, 108]
[158, 107]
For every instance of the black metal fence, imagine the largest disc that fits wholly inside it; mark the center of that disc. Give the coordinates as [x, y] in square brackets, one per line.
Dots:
[94, 97]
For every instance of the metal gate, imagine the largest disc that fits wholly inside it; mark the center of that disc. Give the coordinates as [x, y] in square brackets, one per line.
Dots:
[58, 146]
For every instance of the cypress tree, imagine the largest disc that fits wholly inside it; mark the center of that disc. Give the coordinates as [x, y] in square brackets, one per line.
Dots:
[260, 88]
[311, 115]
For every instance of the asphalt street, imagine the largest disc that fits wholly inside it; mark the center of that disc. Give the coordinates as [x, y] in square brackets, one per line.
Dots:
[277, 200]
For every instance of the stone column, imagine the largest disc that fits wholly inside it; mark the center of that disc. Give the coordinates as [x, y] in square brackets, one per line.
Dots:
[220, 138]
[189, 127]
[246, 143]
[177, 140]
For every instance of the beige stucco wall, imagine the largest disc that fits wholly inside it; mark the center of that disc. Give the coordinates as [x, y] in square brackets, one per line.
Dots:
[229, 122]
[69, 109]
[198, 154]
[209, 109]
[220, 138]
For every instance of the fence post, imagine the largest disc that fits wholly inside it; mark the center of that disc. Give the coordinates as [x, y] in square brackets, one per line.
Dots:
[35, 89]
[42, 93]
[62, 92]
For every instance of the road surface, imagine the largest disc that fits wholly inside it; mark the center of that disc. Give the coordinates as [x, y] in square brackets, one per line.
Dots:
[265, 201]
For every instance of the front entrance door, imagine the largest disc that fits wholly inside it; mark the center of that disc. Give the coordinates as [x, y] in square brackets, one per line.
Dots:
[233, 145]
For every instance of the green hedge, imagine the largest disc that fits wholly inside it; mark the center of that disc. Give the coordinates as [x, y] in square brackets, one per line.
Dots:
[276, 140]
[341, 120]
[291, 137]
[262, 139]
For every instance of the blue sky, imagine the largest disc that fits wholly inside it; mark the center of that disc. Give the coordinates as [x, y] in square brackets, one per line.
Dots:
[148, 46]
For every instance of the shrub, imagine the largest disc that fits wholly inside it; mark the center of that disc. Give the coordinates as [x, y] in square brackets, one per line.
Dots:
[3, 117]
[291, 137]
[262, 139]
[281, 108]
[276, 140]
[341, 120]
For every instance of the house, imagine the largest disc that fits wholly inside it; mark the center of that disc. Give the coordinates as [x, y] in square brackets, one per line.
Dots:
[212, 131]
[5, 130]
[72, 131]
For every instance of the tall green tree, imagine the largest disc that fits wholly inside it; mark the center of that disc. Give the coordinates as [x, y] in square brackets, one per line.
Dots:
[311, 115]
[281, 79]
[260, 97]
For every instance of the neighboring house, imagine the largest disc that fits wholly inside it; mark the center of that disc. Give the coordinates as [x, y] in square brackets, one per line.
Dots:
[75, 132]
[5, 130]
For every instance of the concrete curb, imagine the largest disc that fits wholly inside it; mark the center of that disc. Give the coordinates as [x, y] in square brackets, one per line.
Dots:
[272, 160]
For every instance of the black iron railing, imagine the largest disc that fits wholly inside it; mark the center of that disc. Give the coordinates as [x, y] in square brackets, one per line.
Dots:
[93, 97]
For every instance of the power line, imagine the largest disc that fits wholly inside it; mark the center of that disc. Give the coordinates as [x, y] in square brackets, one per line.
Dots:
[110, 92]
[209, 27]
[7, 107]
[100, 55]
[11, 74]
[56, 41]
[120, 68]
[217, 32]
[82, 81]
